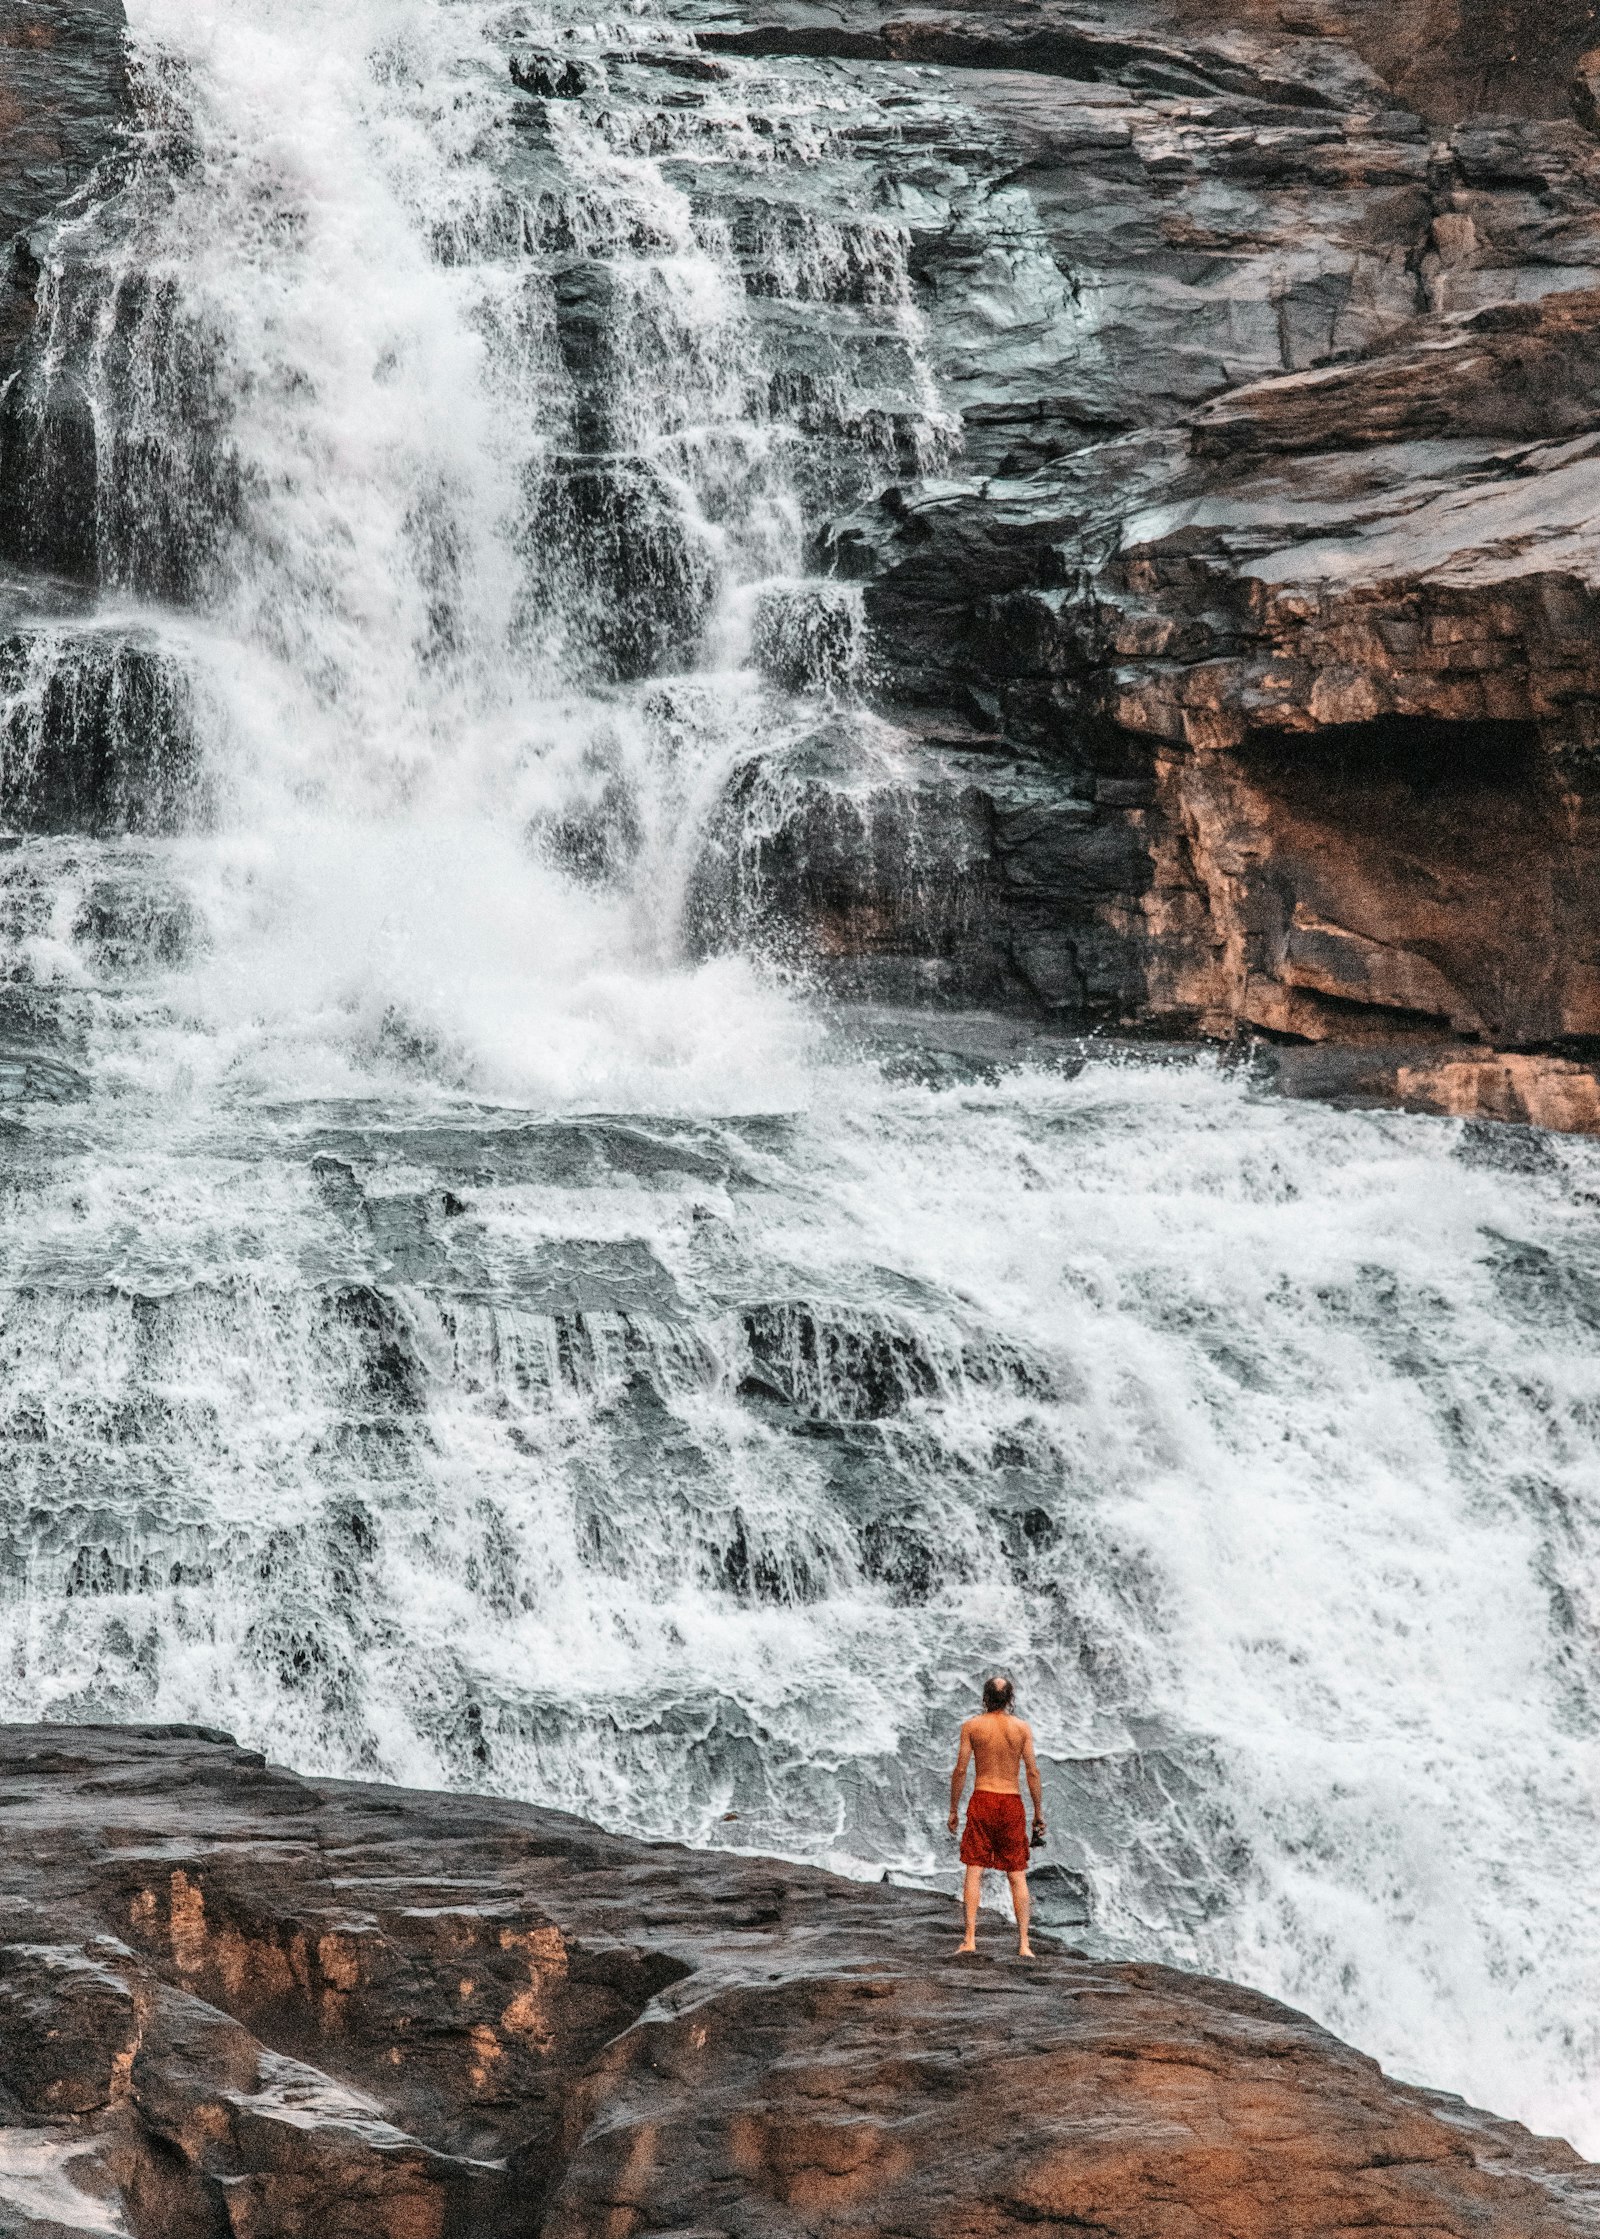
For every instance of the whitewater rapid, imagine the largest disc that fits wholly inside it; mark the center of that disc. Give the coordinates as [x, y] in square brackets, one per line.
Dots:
[464, 1333]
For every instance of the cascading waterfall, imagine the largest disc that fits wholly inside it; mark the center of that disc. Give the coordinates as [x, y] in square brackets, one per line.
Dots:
[466, 1319]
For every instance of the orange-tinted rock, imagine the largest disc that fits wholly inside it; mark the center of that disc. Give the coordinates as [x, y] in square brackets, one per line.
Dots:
[239, 2005]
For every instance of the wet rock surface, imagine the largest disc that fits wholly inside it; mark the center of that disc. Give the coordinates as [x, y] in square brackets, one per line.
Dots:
[234, 2001]
[64, 110]
[62, 98]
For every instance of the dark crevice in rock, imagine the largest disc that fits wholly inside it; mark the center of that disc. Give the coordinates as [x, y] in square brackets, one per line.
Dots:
[1420, 754]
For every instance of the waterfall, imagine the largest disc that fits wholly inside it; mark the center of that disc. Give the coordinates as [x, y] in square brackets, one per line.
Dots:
[474, 1315]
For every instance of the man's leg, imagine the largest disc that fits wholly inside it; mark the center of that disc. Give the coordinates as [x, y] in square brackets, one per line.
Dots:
[969, 1898]
[1022, 1905]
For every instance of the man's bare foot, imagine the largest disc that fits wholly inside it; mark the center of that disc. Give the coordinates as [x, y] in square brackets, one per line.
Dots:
[960, 1948]
[1024, 1951]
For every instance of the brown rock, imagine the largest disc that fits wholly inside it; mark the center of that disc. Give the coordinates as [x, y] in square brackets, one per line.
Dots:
[1523, 369]
[1448, 58]
[239, 2005]
[1586, 90]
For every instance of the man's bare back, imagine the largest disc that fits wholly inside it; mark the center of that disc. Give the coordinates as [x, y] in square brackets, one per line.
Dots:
[998, 1743]
[1000, 1748]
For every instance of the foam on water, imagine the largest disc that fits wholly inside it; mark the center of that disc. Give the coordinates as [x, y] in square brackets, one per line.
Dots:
[459, 1335]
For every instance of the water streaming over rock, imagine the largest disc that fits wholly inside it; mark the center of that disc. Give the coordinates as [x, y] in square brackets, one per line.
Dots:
[471, 1317]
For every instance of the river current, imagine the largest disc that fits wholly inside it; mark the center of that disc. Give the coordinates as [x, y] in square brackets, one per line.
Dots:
[471, 1316]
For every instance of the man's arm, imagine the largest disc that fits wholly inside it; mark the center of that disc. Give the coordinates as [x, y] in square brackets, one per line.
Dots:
[1030, 1765]
[958, 1779]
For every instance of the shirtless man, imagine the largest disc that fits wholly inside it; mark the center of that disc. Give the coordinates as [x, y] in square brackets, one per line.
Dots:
[996, 1835]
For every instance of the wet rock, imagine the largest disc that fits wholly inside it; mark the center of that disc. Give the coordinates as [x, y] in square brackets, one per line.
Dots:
[1518, 1088]
[857, 856]
[807, 637]
[586, 1153]
[97, 734]
[63, 101]
[31, 1076]
[552, 77]
[1056, 41]
[643, 571]
[578, 1275]
[232, 2000]
[387, 1373]
[63, 108]
[130, 924]
[838, 1366]
[1060, 1897]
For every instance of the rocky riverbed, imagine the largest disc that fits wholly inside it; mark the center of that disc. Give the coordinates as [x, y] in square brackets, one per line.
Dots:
[236, 2004]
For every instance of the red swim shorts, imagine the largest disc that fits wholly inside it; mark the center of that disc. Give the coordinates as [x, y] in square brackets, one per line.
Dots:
[997, 1832]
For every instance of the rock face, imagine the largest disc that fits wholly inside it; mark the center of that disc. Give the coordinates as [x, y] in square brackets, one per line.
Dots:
[87, 716]
[61, 99]
[63, 107]
[1249, 632]
[235, 2004]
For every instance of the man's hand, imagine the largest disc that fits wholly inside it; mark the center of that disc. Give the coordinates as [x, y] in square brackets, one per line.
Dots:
[1030, 1765]
[954, 1822]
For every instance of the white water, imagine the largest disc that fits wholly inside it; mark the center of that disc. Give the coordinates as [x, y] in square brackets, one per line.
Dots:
[361, 1398]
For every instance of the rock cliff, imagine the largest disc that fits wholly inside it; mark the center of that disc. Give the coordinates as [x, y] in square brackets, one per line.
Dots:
[236, 2004]
[1249, 630]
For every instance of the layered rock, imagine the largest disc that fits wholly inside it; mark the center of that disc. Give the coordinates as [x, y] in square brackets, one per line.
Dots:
[1252, 622]
[237, 2002]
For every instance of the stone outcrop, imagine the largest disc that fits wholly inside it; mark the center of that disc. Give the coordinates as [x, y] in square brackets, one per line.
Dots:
[237, 2004]
[63, 112]
[1246, 643]
[93, 734]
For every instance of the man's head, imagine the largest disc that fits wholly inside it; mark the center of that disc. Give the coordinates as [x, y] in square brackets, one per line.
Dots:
[997, 1693]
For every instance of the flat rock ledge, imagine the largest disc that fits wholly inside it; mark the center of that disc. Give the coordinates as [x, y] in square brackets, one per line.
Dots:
[237, 2004]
